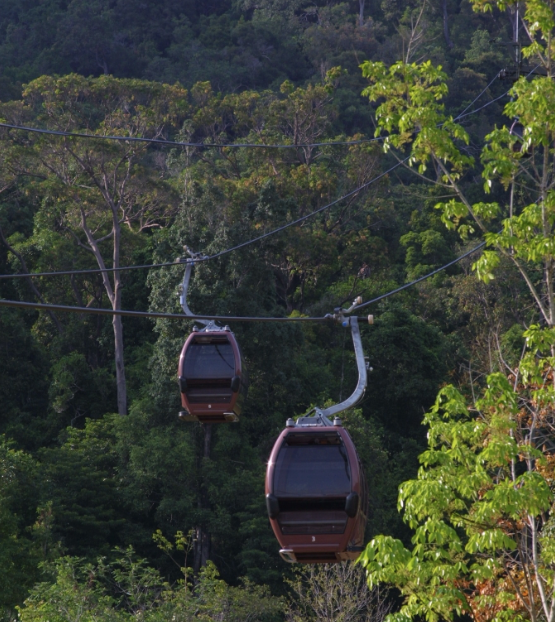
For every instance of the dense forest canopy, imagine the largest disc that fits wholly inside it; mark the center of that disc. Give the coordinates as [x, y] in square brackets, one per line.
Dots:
[111, 506]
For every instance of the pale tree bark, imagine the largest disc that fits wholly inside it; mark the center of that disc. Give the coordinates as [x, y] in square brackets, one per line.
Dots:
[202, 544]
[413, 38]
[97, 187]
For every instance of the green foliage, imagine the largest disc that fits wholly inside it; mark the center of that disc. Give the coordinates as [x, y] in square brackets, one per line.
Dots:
[81, 469]
[128, 589]
[20, 552]
[410, 108]
[265, 72]
[479, 507]
[408, 369]
[23, 380]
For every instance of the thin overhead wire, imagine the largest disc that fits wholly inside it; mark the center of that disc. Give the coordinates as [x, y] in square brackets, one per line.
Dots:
[243, 244]
[419, 280]
[461, 114]
[221, 253]
[224, 318]
[154, 315]
[203, 145]
[174, 143]
[303, 218]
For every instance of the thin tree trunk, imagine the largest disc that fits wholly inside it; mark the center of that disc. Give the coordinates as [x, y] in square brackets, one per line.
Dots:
[120, 366]
[117, 324]
[114, 295]
[204, 539]
[361, 12]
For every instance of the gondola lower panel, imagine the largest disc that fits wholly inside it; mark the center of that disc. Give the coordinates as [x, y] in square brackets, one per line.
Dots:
[316, 495]
[212, 378]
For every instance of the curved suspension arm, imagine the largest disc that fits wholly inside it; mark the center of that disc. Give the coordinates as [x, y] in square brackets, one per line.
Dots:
[183, 297]
[358, 393]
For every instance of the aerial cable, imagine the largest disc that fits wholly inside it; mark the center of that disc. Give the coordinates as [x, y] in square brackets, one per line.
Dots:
[225, 318]
[173, 143]
[216, 255]
[422, 278]
[201, 145]
[461, 114]
[244, 244]
[303, 218]
[154, 315]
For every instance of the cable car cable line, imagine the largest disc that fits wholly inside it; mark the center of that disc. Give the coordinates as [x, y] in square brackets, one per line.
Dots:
[155, 315]
[237, 247]
[422, 278]
[482, 107]
[173, 143]
[224, 318]
[461, 114]
[216, 255]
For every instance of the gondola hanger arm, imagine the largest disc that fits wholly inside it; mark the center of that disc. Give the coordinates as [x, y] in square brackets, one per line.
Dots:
[189, 264]
[322, 415]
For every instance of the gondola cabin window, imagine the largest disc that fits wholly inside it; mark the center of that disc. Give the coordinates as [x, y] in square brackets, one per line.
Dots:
[316, 466]
[211, 376]
[209, 360]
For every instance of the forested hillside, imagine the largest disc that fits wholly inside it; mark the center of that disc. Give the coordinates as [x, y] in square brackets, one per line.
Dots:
[386, 125]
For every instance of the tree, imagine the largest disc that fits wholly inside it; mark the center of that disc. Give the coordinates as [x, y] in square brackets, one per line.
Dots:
[334, 593]
[128, 589]
[97, 192]
[481, 506]
[19, 551]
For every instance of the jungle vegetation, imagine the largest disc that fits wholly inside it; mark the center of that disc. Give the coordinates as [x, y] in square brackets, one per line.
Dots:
[110, 507]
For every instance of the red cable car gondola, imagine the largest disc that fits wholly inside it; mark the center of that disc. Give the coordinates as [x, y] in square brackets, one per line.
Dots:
[316, 494]
[212, 379]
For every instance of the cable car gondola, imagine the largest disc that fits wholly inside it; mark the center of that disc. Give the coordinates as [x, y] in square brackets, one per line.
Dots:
[212, 378]
[316, 493]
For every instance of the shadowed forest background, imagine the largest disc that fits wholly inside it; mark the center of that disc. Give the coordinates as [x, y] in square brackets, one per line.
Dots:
[79, 480]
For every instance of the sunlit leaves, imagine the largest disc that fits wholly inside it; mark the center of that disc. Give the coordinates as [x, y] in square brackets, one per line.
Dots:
[128, 590]
[411, 112]
[485, 265]
[482, 490]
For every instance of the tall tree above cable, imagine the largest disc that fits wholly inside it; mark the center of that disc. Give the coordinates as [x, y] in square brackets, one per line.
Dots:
[97, 193]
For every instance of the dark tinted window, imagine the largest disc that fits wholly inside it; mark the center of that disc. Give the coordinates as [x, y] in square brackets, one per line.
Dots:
[312, 471]
[209, 360]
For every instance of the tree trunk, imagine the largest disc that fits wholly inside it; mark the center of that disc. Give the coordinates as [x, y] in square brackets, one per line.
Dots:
[203, 537]
[361, 12]
[120, 366]
[117, 324]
